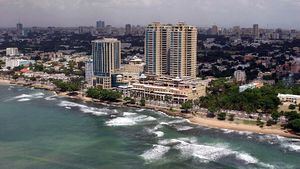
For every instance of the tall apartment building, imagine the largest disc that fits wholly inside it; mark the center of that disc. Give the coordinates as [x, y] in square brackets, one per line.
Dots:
[106, 55]
[171, 50]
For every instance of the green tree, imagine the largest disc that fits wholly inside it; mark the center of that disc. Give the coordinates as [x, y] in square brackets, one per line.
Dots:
[231, 117]
[67, 86]
[142, 102]
[292, 115]
[186, 106]
[221, 116]
[109, 95]
[292, 107]
[38, 67]
[275, 116]
[294, 125]
[93, 93]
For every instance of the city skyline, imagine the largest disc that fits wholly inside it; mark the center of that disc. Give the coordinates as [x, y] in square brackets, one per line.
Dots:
[67, 13]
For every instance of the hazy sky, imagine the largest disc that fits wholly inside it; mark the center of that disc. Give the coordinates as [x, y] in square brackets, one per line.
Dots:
[267, 13]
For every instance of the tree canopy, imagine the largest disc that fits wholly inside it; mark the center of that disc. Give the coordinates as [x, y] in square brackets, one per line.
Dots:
[103, 94]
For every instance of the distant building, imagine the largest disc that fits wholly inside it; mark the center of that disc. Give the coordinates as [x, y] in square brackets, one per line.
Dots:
[240, 76]
[89, 73]
[255, 31]
[106, 60]
[128, 30]
[84, 29]
[100, 24]
[171, 50]
[12, 51]
[214, 30]
[12, 63]
[236, 31]
[108, 29]
[20, 31]
[295, 68]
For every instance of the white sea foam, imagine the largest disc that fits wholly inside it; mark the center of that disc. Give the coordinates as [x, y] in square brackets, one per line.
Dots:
[227, 131]
[29, 96]
[247, 158]
[292, 146]
[24, 100]
[159, 133]
[286, 143]
[183, 128]
[129, 119]
[140, 110]
[245, 132]
[84, 108]
[156, 153]
[49, 98]
[177, 121]
[129, 114]
[22, 96]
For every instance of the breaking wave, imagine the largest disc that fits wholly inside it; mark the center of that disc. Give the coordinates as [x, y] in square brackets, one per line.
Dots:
[190, 148]
[27, 97]
[84, 108]
[156, 153]
[129, 119]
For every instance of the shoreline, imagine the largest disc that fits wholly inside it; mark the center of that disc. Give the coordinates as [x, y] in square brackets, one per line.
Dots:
[193, 119]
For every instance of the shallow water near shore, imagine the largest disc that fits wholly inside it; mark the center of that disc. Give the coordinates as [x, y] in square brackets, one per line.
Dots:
[39, 130]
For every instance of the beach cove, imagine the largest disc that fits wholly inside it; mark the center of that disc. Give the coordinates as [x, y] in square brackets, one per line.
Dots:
[42, 130]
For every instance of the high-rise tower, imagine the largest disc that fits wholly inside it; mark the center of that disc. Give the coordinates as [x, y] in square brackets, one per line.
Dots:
[106, 60]
[171, 50]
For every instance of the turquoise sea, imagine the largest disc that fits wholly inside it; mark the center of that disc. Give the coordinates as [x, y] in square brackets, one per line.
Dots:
[41, 131]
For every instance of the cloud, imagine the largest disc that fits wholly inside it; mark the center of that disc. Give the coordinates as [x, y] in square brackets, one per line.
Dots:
[268, 13]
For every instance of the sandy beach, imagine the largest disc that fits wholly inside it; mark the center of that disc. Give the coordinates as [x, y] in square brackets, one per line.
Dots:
[4, 82]
[214, 123]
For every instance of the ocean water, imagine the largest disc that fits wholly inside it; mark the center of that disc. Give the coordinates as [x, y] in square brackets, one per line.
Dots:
[42, 131]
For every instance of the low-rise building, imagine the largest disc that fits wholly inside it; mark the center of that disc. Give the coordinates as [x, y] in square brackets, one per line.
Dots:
[240, 76]
[289, 98]
[165, 89]
[12, 51]
[12, 63]
[250, 86]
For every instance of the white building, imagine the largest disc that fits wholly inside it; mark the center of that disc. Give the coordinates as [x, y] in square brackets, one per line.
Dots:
[250, 86]
[89, 73]
[289, 98]
[12, 63]
[240, 76]
[12, 51]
